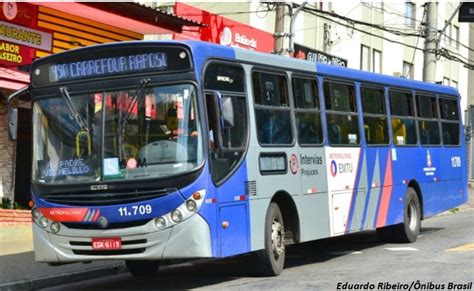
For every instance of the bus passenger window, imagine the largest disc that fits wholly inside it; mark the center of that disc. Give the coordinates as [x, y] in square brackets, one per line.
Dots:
[307, 113]
[403, 119]
[341, 116]
[428, 120]
[375, 119]
[272, 111]
[449, 121]
[339, 97]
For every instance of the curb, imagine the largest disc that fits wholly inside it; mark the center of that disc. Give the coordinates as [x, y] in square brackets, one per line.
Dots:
[14, 217]
[60, 279]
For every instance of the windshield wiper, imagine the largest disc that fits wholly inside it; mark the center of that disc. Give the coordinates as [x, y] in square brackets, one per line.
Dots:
[140, 93]
[73, 109]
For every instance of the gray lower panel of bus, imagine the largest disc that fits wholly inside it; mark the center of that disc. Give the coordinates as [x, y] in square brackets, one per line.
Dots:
[189, 239]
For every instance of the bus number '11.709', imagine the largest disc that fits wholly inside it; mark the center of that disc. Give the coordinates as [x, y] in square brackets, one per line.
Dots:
[135, 210]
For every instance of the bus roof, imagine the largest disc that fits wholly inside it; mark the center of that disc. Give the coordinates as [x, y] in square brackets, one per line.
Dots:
[323, 69]
[207, 50]
[363, 76]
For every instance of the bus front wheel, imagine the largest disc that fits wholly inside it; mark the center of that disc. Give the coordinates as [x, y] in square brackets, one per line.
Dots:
[142, 268]
[408, 231]
[272, 258]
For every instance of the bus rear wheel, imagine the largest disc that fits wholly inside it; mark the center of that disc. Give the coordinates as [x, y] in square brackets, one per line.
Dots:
[408, 231]
[142, 268]
[271, 259]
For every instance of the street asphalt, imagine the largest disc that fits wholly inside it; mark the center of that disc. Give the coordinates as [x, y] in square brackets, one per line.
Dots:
[19, 271]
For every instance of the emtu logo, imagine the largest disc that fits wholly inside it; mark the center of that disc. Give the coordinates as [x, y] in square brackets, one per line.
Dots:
[226, 36]
[333, 168]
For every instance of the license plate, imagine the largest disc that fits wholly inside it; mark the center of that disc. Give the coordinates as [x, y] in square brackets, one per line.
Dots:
[109, 243]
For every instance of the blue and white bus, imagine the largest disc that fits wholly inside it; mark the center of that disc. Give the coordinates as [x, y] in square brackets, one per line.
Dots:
[144, 151]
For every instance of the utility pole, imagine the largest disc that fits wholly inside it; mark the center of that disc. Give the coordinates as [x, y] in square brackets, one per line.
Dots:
[279, 28]
[291, 47]
[431, 35]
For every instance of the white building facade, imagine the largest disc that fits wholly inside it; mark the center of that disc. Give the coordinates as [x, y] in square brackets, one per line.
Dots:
[391, 43]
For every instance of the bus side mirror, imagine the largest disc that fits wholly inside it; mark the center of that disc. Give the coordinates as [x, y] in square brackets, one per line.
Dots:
[13, 112]
[12, 123]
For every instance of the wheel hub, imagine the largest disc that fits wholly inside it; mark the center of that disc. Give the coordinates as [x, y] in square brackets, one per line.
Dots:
[278, 234]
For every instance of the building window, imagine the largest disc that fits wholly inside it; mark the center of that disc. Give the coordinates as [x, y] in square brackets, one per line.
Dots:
[455, 36]
[445, 81]
[376, 61]
[365, 58]
[410, 10]
[447, 33]
[408, 70]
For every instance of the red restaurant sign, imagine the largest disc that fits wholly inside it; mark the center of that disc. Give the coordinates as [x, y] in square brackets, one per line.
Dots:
[19, 36]
[222, 30]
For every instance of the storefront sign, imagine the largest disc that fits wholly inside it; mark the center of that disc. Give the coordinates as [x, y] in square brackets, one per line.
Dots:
[305, 53]
[20, 37]
[14, 55]
[222, 30]
[10, 10]
[25, 36]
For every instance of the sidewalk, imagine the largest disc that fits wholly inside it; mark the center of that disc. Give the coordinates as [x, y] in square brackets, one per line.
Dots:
[19, 271]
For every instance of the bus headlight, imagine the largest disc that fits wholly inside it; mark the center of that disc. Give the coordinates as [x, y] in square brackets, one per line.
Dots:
[187, 209]
[191, 205]
[176, 215]
[55, 227]
[160, 223]
[43, 222]
[35, 213]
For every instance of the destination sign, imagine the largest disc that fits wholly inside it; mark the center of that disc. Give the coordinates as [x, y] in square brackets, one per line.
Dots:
[109, 61]
[108, 66]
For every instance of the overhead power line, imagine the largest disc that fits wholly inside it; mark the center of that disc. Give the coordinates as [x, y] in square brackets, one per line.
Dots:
[443, 52]
[353, 21]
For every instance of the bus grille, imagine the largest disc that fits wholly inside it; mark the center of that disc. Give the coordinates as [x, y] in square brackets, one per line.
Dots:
[109, 253]
[250, 188]
[112, 225]
[100, 199]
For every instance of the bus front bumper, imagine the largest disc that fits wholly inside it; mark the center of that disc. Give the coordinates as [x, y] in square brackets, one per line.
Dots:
[188, 239]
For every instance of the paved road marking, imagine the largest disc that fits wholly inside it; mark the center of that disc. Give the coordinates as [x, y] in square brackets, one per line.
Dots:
[464, 248]
[401, 249]
[342, 253]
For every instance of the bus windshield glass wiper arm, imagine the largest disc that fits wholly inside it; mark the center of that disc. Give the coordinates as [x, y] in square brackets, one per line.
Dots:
[73, 109]
[140, 93]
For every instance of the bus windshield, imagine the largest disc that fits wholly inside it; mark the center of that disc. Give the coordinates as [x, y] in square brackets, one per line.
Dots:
[139, 133]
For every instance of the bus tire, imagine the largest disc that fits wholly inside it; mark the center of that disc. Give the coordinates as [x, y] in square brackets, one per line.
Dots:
[142, 268]
[409, 229]
[271, 259]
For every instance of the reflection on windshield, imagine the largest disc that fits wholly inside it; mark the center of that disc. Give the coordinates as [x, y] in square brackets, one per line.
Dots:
[127, 134]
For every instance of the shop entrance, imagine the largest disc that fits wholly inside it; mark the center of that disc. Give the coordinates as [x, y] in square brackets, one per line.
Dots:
[23, 158]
